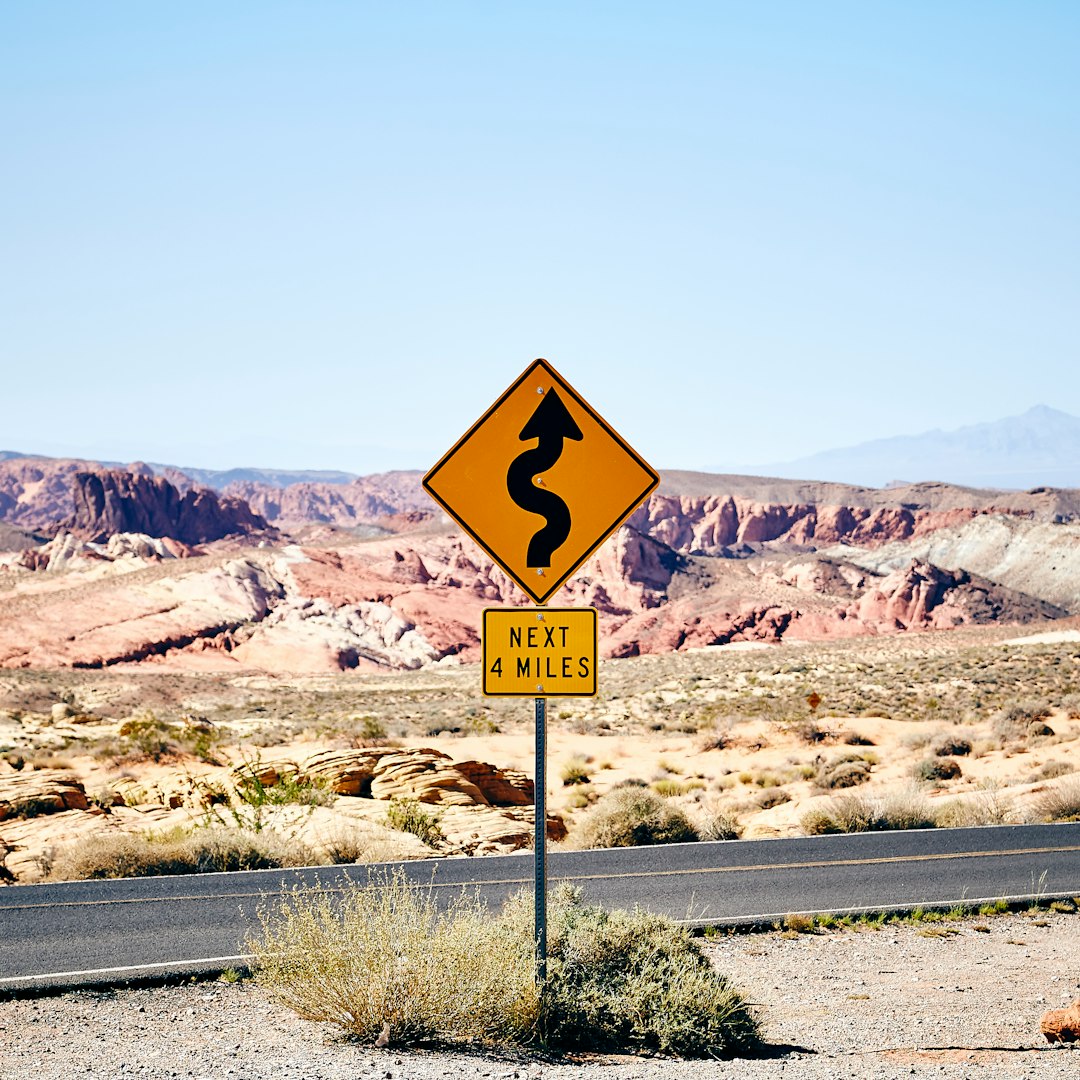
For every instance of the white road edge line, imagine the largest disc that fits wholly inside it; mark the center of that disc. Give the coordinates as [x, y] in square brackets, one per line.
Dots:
[135, 967]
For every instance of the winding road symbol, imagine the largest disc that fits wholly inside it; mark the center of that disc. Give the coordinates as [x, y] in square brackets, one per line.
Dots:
[550, 425]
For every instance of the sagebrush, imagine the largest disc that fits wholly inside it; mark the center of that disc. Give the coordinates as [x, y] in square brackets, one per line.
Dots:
[407, 964]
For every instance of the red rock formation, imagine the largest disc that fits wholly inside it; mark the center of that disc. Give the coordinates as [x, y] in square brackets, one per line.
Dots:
[394, 501]
[122, 502]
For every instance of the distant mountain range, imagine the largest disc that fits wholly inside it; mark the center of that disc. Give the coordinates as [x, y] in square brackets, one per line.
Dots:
[1041, 447]
[220, 478]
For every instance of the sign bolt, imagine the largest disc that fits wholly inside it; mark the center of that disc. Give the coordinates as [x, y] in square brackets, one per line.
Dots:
[539, 389]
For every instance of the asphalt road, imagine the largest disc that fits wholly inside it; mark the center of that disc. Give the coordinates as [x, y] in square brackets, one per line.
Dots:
[82, 932]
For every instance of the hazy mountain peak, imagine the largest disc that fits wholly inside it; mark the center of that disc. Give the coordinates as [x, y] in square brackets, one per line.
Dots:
[1039, 447]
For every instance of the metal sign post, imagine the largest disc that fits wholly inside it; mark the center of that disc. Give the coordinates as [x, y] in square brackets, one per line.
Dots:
[540, 841]
[541, 453]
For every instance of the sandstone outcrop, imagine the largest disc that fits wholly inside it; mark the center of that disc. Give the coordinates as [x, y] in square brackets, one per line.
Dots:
[722, 525]
[109, 502]
[35, 792]
[130, 621]
[428, 776]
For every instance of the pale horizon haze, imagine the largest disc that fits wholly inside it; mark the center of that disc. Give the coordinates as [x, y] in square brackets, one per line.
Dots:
[328, 236]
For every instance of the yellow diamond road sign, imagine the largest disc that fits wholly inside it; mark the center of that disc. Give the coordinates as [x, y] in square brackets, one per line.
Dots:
[530, 652]
[540, 481]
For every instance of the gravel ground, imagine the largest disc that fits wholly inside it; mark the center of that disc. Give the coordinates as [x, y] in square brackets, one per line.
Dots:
[875, 1004]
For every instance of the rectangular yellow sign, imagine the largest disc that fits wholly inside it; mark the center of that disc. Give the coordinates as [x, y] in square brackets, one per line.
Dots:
[539, 652]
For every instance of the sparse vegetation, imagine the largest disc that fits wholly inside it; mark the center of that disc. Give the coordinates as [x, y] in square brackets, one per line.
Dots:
[408, 815]
[387, 962]
[1060, 803]
[625, 980]
[386, 959]
[867, 813]
[671, 787]
[631, 817]
[844, 771]
[575, 771]
[713, 822]
[937, 769]
[951, 746]
[287, 790]
[201, 851]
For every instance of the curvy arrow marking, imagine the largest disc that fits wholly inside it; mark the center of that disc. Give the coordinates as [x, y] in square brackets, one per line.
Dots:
[551, 423]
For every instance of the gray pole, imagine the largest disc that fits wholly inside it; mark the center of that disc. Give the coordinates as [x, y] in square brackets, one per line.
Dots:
[540, 841]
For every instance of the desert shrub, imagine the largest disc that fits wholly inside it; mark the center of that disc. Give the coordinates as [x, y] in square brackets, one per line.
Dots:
[1061, 803]
[368, 731]
[1050, 771]
[408, 815]
[810, 731]
[146, 737]
[632, 817]
[991, 806]
[631, 980]
[715, 823]
[345, 845]
[715, 740]
[1015, 720]
[287, 790]
[847, 770]
[853, 738]
[771, 797]
[951, 746]
[575, 771]
[202, 851]
[385, 959]
[937, 769]
[867, 813]
[31, 807]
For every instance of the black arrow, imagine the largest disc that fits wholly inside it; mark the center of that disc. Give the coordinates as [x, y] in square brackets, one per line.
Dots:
[551, 423]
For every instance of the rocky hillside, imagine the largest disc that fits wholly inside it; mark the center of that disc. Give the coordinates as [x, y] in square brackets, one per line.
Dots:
[94, 503]
[397, 588]
[388, 502]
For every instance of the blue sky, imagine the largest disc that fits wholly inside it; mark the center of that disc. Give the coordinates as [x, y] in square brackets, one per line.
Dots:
[329, 234]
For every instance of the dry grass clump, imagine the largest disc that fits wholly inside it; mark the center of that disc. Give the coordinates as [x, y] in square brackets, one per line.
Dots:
[386, 962]
[575, 770]
[345, 845]
[1061, 803]
[870, 813]
[203, 851]
[631, 817]
[991, 806]
[1050, 771]
[713, 822]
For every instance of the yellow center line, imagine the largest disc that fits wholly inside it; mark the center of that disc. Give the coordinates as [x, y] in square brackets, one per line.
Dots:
[814, 865]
